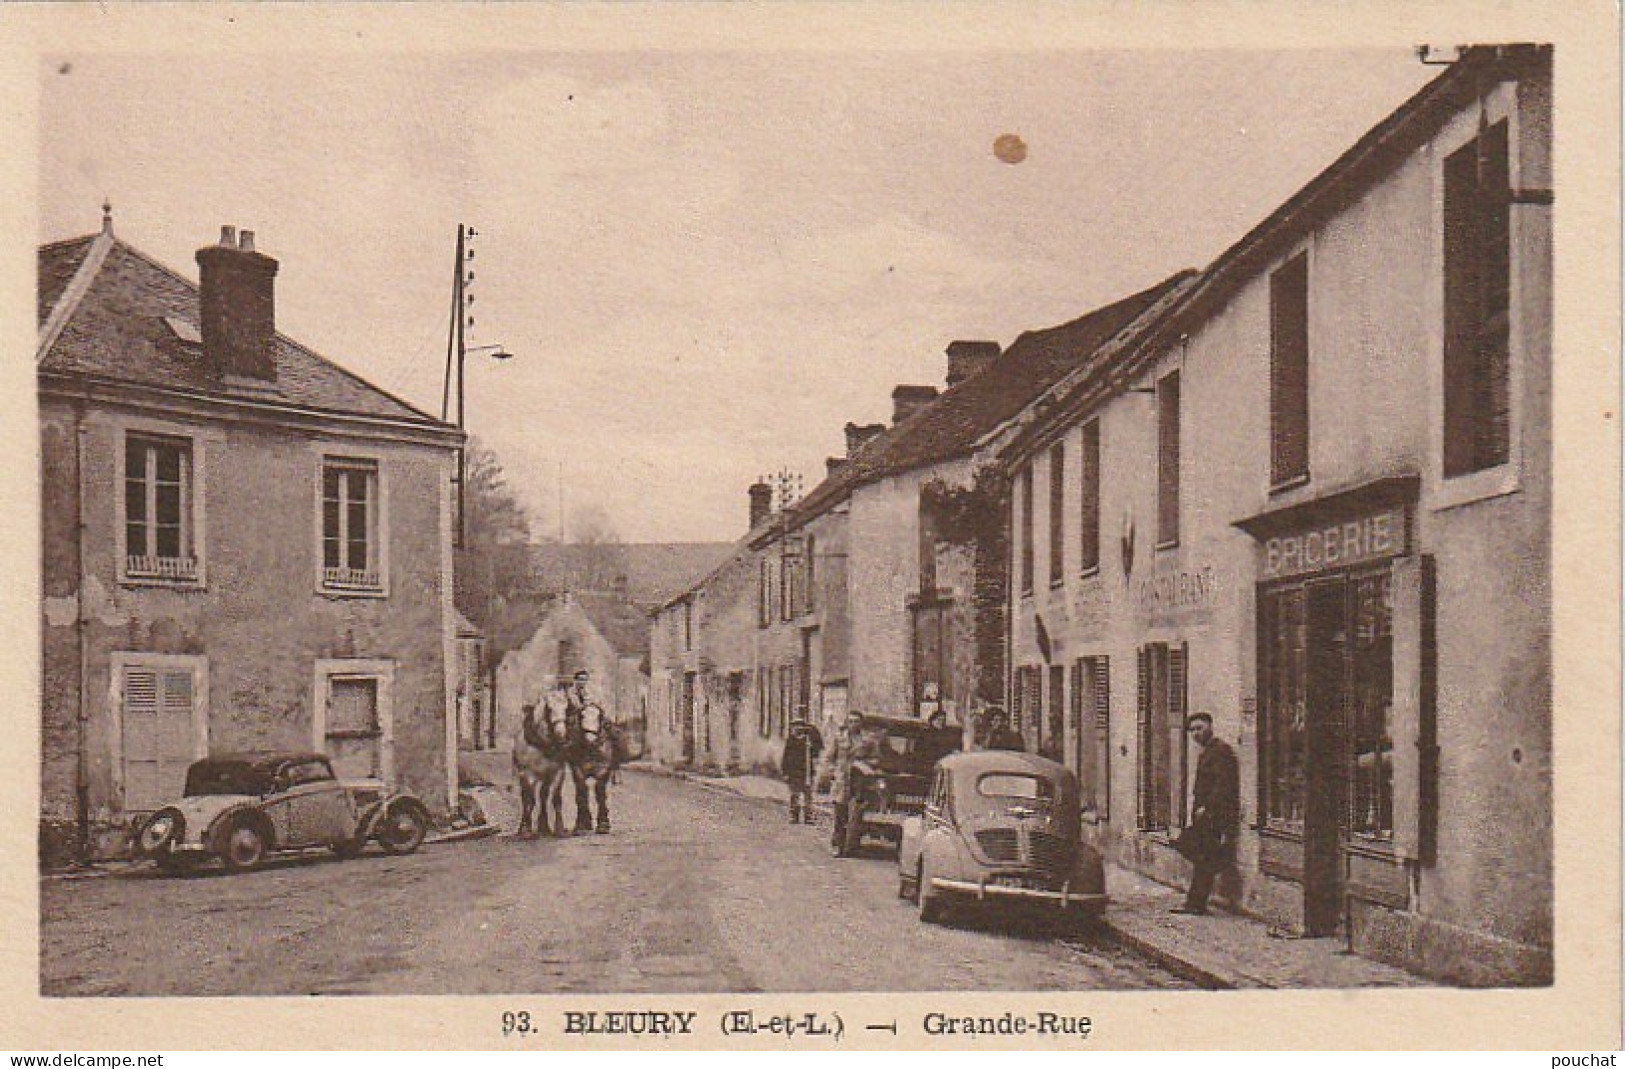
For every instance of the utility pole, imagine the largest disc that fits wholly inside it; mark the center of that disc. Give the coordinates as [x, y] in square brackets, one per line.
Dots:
[457, 350]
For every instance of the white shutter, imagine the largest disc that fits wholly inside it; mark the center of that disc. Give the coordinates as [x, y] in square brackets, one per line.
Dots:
[142, 779]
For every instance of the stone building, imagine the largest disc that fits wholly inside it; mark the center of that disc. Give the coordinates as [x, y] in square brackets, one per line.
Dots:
[883, 590]
[245, 546]
[1315, 503]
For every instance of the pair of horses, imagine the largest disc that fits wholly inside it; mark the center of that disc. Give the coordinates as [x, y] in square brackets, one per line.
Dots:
[574, 742]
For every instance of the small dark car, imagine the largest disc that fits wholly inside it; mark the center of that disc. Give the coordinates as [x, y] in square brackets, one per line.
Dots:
[241, 807]
[888, 779]
[1000, 827]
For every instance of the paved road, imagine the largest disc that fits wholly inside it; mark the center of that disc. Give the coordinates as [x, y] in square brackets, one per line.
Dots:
[694, 891]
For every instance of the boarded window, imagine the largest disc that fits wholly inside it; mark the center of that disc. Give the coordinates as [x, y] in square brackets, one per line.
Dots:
[1289, 372]
[157, 734]
[1027, 529]
[1057, 525]
[353, 733]
[1168, 459]
[1089, 512]
[1477, 288]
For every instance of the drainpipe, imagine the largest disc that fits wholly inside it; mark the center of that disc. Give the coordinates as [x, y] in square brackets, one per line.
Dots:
[81, 626]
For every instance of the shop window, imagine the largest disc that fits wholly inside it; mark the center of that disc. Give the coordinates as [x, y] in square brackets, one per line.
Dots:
[1089, 513]
[1477, 288]
[1372, 673]
[1027, 529]
[1057, 523]
[1168, 460]
[1289, 373]
[1161, 736]
[1285, 734]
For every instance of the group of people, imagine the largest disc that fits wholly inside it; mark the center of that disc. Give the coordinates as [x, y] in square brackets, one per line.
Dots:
[1208, 842]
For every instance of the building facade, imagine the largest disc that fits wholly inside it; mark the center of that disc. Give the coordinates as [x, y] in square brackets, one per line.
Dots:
[1316, 504]
[244, 546]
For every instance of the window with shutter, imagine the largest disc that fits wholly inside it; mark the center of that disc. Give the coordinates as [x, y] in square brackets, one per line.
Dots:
[1289, 373]
[1155, 734]
[1052, 743]
[1089, 513]
[1145, 794]
[351, 551]
[158, 510]
[1168, 459]
[1178, 748]
[1477, 288]
[1057, 523]
[1081, 757]
[1027, 529]
[1101, 673]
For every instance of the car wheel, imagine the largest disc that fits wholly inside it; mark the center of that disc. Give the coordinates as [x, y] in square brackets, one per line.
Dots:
[403, 830]
[244, 849]
[930, 902]
[158, 835]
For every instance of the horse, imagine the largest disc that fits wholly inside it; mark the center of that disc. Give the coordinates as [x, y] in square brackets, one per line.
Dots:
[593, 753]
[540, 765]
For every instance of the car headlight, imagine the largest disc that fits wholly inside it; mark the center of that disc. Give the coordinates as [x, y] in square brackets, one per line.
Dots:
[880, 785]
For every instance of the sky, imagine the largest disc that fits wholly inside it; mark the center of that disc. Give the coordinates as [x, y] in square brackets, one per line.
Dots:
[704, 263]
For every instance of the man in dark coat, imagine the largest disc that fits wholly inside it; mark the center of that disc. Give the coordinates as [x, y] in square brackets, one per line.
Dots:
[1210, 840]
[802, 747]
[1000, 736]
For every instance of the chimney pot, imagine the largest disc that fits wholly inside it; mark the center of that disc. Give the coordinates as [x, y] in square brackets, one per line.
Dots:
[761, 503]
[236, 299]
[857, 437]
[907, 400]
[969, 358]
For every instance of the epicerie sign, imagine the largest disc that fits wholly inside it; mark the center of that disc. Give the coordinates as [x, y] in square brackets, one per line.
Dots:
[1339, 545]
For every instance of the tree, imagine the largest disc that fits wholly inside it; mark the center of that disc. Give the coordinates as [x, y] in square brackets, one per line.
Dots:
[602, 556]
[493, 565]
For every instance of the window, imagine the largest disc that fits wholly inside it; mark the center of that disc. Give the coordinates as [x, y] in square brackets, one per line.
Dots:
[1057, 524]
[1091, 725]
[786, 586]
[565, 665]
[1477, 287]
[933, 655]
[1289, 373]
[1052, 740]
[688, 625]
[1089, 513]
[161, 717]
[1161, 736]
[764, 597]
[158, 537]
[1286, 712]
[1027, 529]
[810, 577]
[1168, 460]
[350, 540]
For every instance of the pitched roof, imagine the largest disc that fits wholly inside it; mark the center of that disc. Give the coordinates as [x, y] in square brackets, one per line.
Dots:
[951, 426]
[654, 571]
[115, 328]
[624, 624]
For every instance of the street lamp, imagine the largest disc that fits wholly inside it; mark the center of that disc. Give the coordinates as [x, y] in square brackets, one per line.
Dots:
[458, 349]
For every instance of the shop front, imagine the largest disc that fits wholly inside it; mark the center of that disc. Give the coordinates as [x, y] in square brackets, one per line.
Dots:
[1343, 635]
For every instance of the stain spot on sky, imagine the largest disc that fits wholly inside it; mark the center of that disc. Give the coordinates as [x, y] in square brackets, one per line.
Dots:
[66, 68]
[1010, 148]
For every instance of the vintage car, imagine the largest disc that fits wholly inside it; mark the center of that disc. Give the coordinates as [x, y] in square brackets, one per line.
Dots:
[888, 779]
[241, 807]
[1000, 827]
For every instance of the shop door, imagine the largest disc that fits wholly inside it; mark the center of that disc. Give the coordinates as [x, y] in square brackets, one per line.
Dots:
[1325, 824]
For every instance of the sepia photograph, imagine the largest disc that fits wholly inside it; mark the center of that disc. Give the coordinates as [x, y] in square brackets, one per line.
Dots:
[522, 520]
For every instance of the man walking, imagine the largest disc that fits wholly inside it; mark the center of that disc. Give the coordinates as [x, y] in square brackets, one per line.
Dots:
[1210, 839]
[1000, 736]
[802, 747]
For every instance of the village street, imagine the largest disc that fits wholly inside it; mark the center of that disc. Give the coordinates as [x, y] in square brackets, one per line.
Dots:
[693, 891]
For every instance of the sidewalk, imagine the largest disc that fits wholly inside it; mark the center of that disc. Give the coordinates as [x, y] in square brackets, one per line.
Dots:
[1220, 951]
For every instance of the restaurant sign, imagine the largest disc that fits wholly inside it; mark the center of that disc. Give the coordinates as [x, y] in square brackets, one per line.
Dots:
[1372, 537]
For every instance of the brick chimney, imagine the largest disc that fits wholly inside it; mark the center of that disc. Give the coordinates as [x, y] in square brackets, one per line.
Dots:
[857, 437]
[761, 503]
[967, 358]
[907, 400]
[238, 306]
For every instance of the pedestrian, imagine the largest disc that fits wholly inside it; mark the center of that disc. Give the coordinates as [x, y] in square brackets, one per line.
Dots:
[802, 747]
[1209, 842]
[852, 744]
[1000, 736]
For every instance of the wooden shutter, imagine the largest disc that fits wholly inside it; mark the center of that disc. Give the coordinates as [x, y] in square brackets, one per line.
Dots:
[1089, 511]
[1289, 371]
[1057, 513]
[1412, 716]
[157, 735]
[1078, 753]
[1102, 674]
[1178, 679]
[1146, 792]
[1168, 459]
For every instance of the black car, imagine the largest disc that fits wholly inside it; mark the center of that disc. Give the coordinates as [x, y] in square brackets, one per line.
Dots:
[888, 779]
